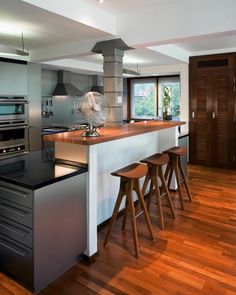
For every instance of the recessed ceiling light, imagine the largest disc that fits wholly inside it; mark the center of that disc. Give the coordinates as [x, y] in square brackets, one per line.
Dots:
[100, 1]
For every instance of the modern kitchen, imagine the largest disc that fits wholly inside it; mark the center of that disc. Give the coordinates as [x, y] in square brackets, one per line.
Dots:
[117, 149]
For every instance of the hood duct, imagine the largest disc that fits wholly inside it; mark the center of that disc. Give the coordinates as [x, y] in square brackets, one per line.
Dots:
[64, 86]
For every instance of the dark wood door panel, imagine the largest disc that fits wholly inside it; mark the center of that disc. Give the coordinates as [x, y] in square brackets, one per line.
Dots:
[212, 111]
[224, 119]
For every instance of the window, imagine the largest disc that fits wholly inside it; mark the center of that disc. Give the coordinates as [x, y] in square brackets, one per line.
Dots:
[151, 97]
[143, 98]
[172, 86]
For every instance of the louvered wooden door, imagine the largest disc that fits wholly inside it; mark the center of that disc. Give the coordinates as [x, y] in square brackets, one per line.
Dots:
[223, 132]
[200, 123]
[212, 111]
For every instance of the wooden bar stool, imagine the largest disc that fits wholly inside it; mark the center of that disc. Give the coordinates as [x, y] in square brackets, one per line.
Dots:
[175, 165]
[155, 164]
[129, 181]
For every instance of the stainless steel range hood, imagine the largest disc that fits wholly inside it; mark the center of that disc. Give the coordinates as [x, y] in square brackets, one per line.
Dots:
[64, 86]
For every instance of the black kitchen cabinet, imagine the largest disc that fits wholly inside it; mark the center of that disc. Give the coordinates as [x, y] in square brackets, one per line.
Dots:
[42, 221]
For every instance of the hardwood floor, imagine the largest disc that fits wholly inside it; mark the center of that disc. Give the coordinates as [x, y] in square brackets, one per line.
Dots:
[195, 254]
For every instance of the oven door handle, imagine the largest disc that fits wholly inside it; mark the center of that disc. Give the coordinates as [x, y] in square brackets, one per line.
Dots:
[12, 101]
[14, 127]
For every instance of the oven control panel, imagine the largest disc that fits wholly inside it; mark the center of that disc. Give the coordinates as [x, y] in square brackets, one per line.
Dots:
[14, 149]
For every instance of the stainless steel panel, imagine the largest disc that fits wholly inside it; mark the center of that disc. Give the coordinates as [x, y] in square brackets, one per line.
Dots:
[16, 212]
[59, 227]
[16, 231]
[16, 194]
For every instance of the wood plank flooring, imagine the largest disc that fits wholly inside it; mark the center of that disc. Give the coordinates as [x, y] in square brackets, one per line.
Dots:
[195, 254]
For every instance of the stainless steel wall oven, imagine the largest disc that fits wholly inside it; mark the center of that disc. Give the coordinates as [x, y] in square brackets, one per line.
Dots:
[14, 127]
[13, 107]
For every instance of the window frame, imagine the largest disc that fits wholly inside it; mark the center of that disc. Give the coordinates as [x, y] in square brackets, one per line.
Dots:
[129, 100]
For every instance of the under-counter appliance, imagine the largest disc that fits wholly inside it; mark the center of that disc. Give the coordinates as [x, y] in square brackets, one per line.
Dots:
[14, 126]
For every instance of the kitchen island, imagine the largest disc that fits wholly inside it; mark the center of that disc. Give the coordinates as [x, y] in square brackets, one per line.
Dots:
[42, 217]
[115, 148]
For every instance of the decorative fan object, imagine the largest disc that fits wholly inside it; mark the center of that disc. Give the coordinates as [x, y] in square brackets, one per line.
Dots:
[95, 109]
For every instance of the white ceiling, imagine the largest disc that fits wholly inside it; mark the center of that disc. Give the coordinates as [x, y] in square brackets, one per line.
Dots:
[125, 6]
[41, 28]
[162, 32]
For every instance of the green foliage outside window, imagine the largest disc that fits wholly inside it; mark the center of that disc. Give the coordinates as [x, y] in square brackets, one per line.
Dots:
[144, 104]
[144, 100]
[175, 98]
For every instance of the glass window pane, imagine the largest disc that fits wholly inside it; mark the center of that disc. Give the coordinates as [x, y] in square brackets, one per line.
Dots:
[169, 90]
[143, 98]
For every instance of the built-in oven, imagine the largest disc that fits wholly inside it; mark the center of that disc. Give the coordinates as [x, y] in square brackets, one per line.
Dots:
[14, 138]
[13, 107]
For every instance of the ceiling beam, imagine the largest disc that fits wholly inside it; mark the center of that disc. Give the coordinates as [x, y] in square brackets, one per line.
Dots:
[76, 66]
[67, 50]
[79, 11]
[172, 51]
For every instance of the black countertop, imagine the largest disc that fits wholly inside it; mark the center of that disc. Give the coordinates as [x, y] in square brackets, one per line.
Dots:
[38, 169]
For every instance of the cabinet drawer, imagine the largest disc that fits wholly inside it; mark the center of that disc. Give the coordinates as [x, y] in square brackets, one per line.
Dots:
[16, 260]
[16, 194]
[16, 231]
[15, 212]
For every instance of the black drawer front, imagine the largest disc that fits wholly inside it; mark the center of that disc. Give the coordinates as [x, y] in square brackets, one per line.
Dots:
[16, 260]
[16, 231]
[16, 194]
[16, 212]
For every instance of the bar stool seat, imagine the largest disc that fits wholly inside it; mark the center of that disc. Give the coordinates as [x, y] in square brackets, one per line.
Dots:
[175, 165]
[129, 181]
[133, 171]
[155, 169]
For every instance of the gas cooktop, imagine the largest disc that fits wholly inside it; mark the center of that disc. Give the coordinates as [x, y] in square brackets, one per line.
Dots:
[57, 129]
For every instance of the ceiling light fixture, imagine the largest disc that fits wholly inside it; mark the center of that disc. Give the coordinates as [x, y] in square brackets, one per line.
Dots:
[6, 50]
[100, 1]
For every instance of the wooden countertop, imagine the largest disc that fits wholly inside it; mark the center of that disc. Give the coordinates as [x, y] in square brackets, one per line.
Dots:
[112, 133]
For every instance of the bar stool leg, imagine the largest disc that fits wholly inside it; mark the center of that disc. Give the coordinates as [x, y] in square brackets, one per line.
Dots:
[168, 167]
[145, 184]
[158, 198]
[125, 214]
[176, 169]
[116, 210]
[150, 195]
[146, 181]
[166, 191]
[132, 217]
[184, 179]
[142, 203]
[169, 172]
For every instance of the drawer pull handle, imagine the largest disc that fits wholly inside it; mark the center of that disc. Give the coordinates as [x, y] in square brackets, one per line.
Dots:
[16, 211]
[12, 249]
[10, 190]
[12, 230]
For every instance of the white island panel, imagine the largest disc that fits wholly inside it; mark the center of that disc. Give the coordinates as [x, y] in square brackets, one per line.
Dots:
[104, 158]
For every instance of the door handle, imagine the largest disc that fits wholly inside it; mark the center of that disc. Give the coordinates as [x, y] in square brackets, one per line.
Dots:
[13, 191]
[12, 247]
[213, 115]
[193, 114]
